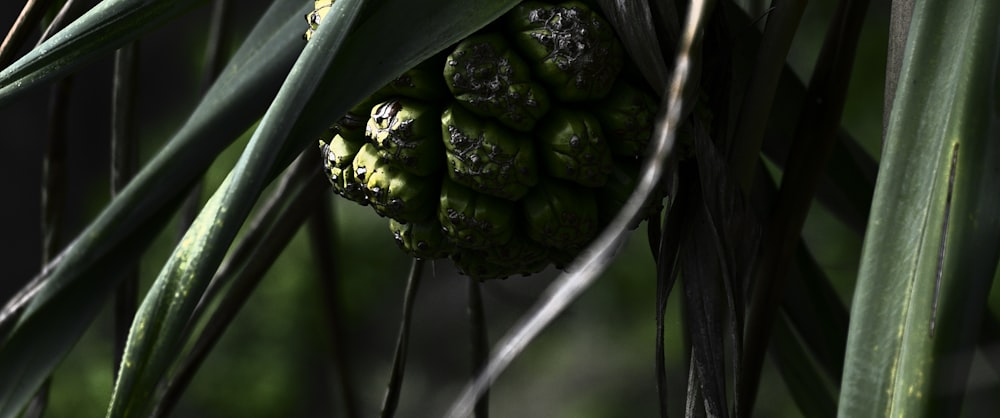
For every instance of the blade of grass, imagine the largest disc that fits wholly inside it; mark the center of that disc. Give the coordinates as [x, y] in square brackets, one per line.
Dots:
[694, 406]
[222, 115]
[733, 230]
[932, 245]
[395, 386]
[815, 136]
[158, 330]
[700, 268]
[297, 112]
[748, 133]
[592, 261]
[124, 159]
[71, 9]
[106, 27]
[268, 234]
[53, 201]
[899, 28]
[43, 321]
[29, 19]
[850, 179]
[213, 65]
[666, 276]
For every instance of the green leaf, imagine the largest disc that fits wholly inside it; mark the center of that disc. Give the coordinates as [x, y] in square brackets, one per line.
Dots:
[332, 74]
[109, 25]
[156, 334]
[49, 316]
[932, 242]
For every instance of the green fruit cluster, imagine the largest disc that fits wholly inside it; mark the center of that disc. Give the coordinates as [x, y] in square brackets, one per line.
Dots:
[508, 154]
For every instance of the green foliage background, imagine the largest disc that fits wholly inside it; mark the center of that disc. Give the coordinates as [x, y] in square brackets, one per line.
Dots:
[596, 361]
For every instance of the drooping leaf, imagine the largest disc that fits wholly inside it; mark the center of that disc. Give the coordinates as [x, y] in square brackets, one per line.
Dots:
[704, 302]
[732, 228]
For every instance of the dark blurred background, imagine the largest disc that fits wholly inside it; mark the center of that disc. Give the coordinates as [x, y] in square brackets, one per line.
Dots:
[595, 361]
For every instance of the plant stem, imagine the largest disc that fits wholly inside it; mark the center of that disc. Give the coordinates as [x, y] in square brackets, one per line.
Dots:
[123, 167]
[395, 386]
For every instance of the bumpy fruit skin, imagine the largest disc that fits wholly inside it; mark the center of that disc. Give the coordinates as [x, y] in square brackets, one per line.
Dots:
[627, 114]
[474, 220]
[404, 137]
[574, 148]
[422, 240]
[338, 162]
[491, 80]
[561, 215]
[391, 191]
[487, 157]
[505, 153]
[574, 49]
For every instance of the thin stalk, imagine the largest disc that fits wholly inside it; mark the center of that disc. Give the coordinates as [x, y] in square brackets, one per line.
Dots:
[31, 15]
[395, 386]
[53, 200]
[124, 160]
[53, 186]
[325, 251]
[70, 10]
[815, 136]
[479, 344]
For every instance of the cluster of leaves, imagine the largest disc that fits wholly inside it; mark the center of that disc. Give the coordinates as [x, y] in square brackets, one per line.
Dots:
[932, 237]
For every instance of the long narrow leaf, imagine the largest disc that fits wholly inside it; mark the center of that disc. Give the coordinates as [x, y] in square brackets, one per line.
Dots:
[815, 137]
[269, 233]
[934, 235]
[156, 333]
[46, 318]
[157, 330]
[104, 28]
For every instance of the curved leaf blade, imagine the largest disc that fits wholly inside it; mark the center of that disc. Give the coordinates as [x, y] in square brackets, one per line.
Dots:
[156, 334]
[109, 25]
[331, 75]
[45, 320]
[933, 239]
